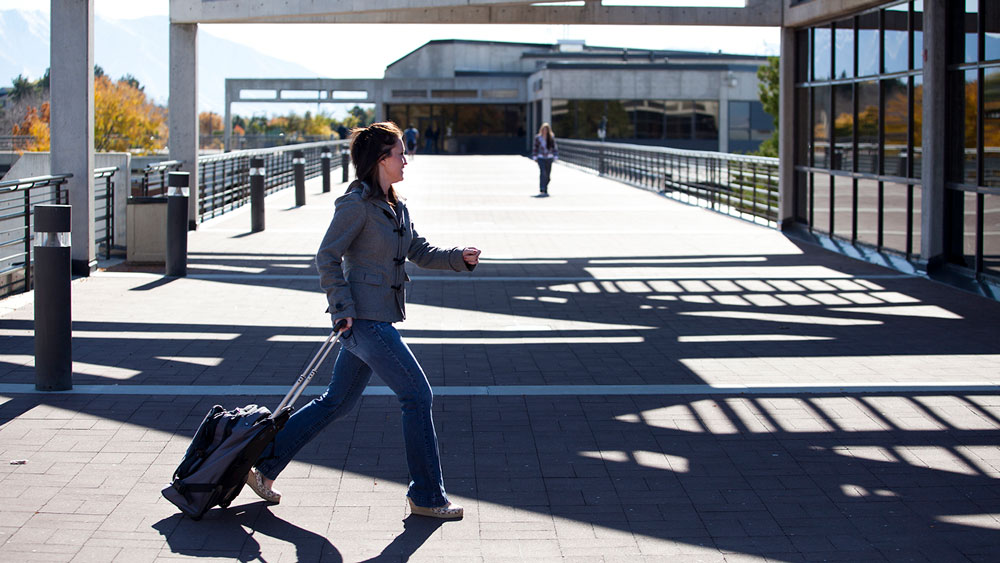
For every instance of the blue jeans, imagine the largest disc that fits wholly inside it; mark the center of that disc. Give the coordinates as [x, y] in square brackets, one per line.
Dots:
[371, 347]
[544, 173]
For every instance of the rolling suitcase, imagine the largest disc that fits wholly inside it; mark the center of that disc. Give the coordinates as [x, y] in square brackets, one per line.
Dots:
[227, 443]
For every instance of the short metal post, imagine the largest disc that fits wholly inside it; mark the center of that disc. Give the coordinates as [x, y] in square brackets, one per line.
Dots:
[53, 312]
[257, 174]
[345, 161]
[177, 223]
[324, 161]
[299, 170]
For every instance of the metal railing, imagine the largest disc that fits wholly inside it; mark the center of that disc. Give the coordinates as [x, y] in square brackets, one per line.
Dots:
[104, 209]
[152, 180]
[224, 179]
[738, 185]
[18, 199]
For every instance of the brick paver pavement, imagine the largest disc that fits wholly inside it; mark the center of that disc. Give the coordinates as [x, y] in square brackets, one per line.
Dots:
[624, 378]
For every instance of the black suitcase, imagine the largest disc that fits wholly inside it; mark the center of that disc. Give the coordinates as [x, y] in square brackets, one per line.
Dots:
[226, 445]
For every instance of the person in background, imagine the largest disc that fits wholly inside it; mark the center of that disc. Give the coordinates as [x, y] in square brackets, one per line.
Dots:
[544, 153]
[361, 267]
[410, 136]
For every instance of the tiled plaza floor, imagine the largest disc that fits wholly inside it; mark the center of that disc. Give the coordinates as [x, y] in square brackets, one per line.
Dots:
[623, 378]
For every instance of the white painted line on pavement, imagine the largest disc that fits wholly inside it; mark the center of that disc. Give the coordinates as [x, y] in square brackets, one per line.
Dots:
[527, 390]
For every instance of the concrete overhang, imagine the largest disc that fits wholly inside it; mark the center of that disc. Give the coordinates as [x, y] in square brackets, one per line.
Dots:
[800, 13]
[766, 13]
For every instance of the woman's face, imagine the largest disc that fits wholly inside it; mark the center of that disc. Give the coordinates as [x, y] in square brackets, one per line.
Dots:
[391, 167]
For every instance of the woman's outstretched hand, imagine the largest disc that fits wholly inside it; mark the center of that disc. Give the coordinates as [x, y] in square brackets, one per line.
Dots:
[471, 255]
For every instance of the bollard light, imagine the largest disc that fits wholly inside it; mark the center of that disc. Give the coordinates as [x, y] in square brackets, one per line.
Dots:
[53, 302]
[345, 161]
[299, 171]
[324, 160]
[177, 223]
[257, 175]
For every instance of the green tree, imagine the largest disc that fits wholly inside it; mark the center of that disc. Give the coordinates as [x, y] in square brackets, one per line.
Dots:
[769, 91]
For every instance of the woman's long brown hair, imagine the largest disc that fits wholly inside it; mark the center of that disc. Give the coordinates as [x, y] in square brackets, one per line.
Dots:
[369, 145]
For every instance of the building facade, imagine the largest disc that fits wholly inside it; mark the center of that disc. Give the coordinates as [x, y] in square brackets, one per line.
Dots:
[895, 141]
[490, 97]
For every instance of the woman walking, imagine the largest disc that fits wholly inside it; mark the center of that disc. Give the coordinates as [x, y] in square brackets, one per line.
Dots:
[360, 263]
[545, 153]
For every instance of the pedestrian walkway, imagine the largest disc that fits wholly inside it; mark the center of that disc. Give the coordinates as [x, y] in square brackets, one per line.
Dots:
[623, 378]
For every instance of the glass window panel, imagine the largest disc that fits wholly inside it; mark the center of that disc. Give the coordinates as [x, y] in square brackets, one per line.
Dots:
[917, 220]
[761, 122]
[562, 118]
[804, 145]
[918, 119]
[843, 206]
[868, 44]
[867, 126]
[420, 115]
[969, 228]
[467, 119]
[894, 217]
[739, 115]
[971, 26]
[991, 127]
[991, 28]
[739, 121]
[821, 203]
[802, 55]
[619, 120]
[969, 164]
[648, 119]
[706, 119]
[493, 120]
[918, 34]
[868, 211]
[678, 123]
[843, 59]
[821, 126]
[895, 44]
[843, 152]
[397, 114]
[822, 39]
[991, 238]
[897, 111]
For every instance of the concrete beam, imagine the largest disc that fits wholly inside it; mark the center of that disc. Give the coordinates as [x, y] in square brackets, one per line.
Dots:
[71, 118]
[820, 11]
[183, 106]
[757, 13]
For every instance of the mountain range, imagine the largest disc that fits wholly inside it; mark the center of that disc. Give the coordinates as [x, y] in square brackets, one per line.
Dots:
[140, 47]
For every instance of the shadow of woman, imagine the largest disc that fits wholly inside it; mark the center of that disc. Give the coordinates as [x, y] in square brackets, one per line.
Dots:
[416, 530]
[229, 533]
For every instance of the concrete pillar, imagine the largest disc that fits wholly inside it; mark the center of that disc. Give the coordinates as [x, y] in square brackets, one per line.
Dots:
[933, 134]
[786, 128]
[546, 109]
[71, 118]
[183, 107]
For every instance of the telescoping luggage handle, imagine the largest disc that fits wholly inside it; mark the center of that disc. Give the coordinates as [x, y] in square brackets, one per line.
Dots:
[310, 371]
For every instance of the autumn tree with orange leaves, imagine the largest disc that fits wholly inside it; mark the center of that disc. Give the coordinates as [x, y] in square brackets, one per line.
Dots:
[124, 118]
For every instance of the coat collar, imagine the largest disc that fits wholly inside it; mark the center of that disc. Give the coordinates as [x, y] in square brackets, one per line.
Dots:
[379, 202]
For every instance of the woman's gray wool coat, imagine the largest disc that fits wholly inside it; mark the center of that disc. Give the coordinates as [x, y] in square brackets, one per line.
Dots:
[361, 259]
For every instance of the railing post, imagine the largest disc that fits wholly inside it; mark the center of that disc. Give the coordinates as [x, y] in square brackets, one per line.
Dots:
[257, 173]
[53, 300]
[324, 161]
[299, 171]
[345, 162]
[177, 223]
